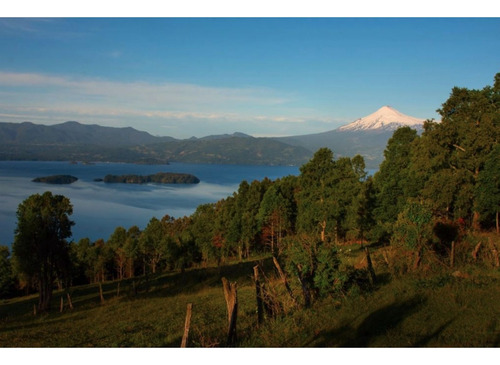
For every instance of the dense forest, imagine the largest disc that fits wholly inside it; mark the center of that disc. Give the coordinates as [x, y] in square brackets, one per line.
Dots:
[431, 194]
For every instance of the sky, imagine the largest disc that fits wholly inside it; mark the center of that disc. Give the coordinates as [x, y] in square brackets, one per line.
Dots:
[184, 77]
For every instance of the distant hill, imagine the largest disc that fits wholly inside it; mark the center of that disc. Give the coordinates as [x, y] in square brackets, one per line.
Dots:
[71, 133]
[68, 141]
[72, 141]
[245, 150]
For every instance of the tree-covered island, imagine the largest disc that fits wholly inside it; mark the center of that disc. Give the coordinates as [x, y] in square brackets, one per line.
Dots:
[56, 179]
[158, 178]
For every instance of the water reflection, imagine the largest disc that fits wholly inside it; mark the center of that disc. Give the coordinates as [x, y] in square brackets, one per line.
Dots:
[98, 208]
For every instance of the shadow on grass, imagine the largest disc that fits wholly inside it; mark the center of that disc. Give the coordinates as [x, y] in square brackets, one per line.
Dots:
[424, 341]
[376, 324]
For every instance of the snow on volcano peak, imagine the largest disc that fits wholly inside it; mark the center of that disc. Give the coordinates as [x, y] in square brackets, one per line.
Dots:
[386, 118]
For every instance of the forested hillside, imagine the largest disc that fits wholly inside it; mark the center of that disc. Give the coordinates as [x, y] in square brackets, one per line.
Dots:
[426, 210]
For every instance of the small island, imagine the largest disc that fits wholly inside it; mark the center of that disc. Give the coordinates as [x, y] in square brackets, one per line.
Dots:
[159, 178]
[56, 179]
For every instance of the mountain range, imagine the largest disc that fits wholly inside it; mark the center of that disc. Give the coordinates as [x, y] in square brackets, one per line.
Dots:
[80, 142]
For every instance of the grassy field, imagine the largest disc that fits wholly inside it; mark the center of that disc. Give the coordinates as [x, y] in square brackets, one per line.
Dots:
[435, 309]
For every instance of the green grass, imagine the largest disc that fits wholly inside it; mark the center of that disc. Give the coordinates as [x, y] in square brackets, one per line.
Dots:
[432, 309]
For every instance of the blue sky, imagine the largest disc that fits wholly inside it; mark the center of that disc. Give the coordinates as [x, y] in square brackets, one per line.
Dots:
[188, 77]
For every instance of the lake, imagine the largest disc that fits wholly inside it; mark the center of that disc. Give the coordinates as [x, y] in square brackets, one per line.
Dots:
[99, 208]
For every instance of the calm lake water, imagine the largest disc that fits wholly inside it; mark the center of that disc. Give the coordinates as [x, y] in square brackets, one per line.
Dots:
[99, 208]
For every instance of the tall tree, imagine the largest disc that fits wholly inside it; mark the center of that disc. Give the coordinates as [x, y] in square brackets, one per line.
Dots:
[40, 247]
[131, 249]
[203, 231]
[451, 154]
[152, 244]
[392, 181]
[117, 242]
[314, 206]
[488, 190]
[6, 275]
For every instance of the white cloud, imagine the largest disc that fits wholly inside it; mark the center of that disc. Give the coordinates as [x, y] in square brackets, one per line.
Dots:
[186, 109]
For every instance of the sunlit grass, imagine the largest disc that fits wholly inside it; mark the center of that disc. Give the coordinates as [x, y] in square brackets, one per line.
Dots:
[433, 309]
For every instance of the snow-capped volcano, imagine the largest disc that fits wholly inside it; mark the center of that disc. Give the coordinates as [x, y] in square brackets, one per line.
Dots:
[386, 118]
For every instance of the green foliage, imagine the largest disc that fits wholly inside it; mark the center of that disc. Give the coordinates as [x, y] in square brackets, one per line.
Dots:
[413, 229]
[40, 249]
[203, 231]
[6, 274]
[450, 155]
[392, 181]
[487, 191]
[314, 263]
[327, 191]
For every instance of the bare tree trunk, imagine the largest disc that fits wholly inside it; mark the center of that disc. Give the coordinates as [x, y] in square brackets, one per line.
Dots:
[475, 221]
[260, 312]
[494, 251]
[305, 289]
[100, 293]
[373, 277]
[70, 303]
[284, 280]
[187, 323]
[45, 295]
[230, 294]
[323, 230]
[418, 258]
[476, 251]
[498, 224]
[61, 307]
[452, 254]
[118, 289]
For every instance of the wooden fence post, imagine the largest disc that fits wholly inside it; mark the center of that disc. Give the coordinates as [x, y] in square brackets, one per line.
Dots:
[260, 313]
[284, 280]
[186, 325]
[230, 294]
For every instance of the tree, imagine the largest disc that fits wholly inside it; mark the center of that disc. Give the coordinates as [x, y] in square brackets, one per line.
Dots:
[327, 191]
[40, 247]
[488, 189]
[314, 198]
[361, 213]
[413, 228]
[392, 180]
[131, 249]
[203, 231]
[117, 242]
[452, 153]
[6, 276]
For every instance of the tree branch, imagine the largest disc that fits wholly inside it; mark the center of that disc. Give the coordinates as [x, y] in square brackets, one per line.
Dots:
[458, 147]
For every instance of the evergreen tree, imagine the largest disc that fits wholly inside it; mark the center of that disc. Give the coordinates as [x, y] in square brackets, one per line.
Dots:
[451, 154]
[488, 190]
[392, 181]
[315, 194]
[6, 274]
[40, 248]
[117, 242]
[152, 244]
